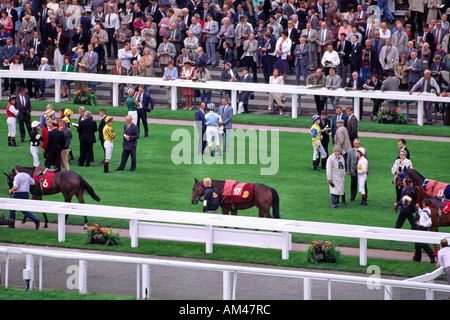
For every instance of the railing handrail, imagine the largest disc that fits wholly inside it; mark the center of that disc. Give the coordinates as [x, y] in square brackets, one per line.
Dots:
[293, 90]
[229, 268]
[194, 218]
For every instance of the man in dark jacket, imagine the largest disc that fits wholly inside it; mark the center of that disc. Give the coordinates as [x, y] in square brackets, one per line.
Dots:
[23, 105]
[130, 137]
[55, 144]
[325, 127]
[199, 120]
[86, 132]
[100, 132]
[146, 104]
[211, 197]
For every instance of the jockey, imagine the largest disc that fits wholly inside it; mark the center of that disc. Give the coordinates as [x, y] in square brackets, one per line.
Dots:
[211, 197]
[212, 123]
[11, 113]
[316, 142]
[108, 135]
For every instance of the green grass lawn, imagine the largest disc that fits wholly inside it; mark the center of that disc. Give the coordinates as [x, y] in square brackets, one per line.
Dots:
[160, 184]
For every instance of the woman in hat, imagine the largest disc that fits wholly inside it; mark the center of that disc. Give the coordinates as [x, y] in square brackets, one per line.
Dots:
[66, 67]
[35, 142]
[11, 114]
[401, 165]
[132, 105]
[336, 176]
[188, 73]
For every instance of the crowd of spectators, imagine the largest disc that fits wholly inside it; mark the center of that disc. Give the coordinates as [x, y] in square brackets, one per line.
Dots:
[144, 36]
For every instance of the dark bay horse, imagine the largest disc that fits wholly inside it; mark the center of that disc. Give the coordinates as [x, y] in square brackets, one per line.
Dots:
[264, 197]
[69, 183]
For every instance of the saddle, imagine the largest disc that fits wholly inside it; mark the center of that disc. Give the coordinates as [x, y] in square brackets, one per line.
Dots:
[44, 176]
[442, 204]
[235, 192]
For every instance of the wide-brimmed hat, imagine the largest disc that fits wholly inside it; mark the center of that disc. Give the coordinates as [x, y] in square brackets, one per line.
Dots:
[362, 151]
[337, 147]
[35, 124]
[187, 61]
[437, 58]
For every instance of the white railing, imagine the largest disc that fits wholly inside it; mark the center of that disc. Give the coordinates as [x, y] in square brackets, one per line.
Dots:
[286, 227]
[229, 274]
[234, 87]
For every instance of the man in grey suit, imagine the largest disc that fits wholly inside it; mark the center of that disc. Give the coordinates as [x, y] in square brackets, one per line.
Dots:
[210, 31]
[301, 54]
[333, 82]
[390, 83]
[92, 58]
[226, 113]
[388, 56]
[226, 32]
[311, 37]
[415, 70]
[249, 57]
[243, 30]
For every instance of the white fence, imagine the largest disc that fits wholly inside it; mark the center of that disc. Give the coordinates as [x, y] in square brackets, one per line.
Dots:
[146, 284]
[181, 221]
[290, 90]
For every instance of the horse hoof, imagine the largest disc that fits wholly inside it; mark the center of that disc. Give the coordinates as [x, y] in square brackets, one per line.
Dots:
[45, 226]
[85, 226]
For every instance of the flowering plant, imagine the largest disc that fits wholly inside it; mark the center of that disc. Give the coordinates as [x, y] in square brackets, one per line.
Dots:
[98, 234]
[85, 96]
[323, 251]
[390, 115]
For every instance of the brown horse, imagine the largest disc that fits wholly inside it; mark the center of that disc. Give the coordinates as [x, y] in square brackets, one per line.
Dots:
[264, 197]
[69, 183]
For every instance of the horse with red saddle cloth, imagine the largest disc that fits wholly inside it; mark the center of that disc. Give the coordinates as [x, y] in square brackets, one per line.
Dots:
[239, 196]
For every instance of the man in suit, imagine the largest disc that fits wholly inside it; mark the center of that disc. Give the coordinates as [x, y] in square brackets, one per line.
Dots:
[356, 83]
[229, 74]
[317, 80]
[399, 38]
[267, 53]
[428, 37]
[415, 71]
[333, 82]
[410, 50]
[36, 44]
[243, 30]
[301, 54]
[61, 43]
[228, 54]
[352, 125]
[375, 84]
[439, 32]
[339, 115]
[227, 32]
[23, 106]
[175, 37]
[199, 120]
[244, 95]
[226, 113]
[101, 125]
[55, 144]
[390, 83]
[92, 62]
[325, 128]
[119, 70]
[249, 56]
[86, 132]
[388, 56]
[130, 137]
[355, 55]
[344, 48]
[210, 31]
[144, 100]
[311, 36]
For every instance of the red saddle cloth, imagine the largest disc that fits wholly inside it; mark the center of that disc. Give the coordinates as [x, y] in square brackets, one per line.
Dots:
[46, 180]
[237, 192]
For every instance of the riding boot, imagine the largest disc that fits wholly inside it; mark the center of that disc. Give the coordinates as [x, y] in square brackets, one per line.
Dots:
[106, 168]
[315, 165]
[9, 142]
[14, 142]
[364, 201]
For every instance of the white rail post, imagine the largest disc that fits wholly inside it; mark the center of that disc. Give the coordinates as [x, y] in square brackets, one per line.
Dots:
[356, 108]
[233, 101]
[115, 94]
[286, 245]
[363, 252]
[28, 273]
[145, 282]
[82, 277]
[226, 285]
[294, 106]
[174, 97]
[61, 227]
[134, 233]
[57, 90]
[209, 238]
[420, 113]
[306, 289]
[387, 292]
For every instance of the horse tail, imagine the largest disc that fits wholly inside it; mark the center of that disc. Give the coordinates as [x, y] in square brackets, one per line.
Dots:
[89, 189]
[275, 204]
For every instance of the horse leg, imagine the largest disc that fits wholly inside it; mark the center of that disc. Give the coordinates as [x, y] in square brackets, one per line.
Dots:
[80, 198]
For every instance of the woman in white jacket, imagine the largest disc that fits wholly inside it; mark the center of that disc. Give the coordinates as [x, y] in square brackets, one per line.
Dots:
[362, 167]
[399, 166]
[283, 49]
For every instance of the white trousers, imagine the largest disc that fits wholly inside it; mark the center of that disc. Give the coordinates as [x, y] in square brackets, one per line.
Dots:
[212, 132]
[35, 153]
[58, 60]
[109, 146]
[321, 151]
[134, 116]
[11, 122]
[361, 182]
